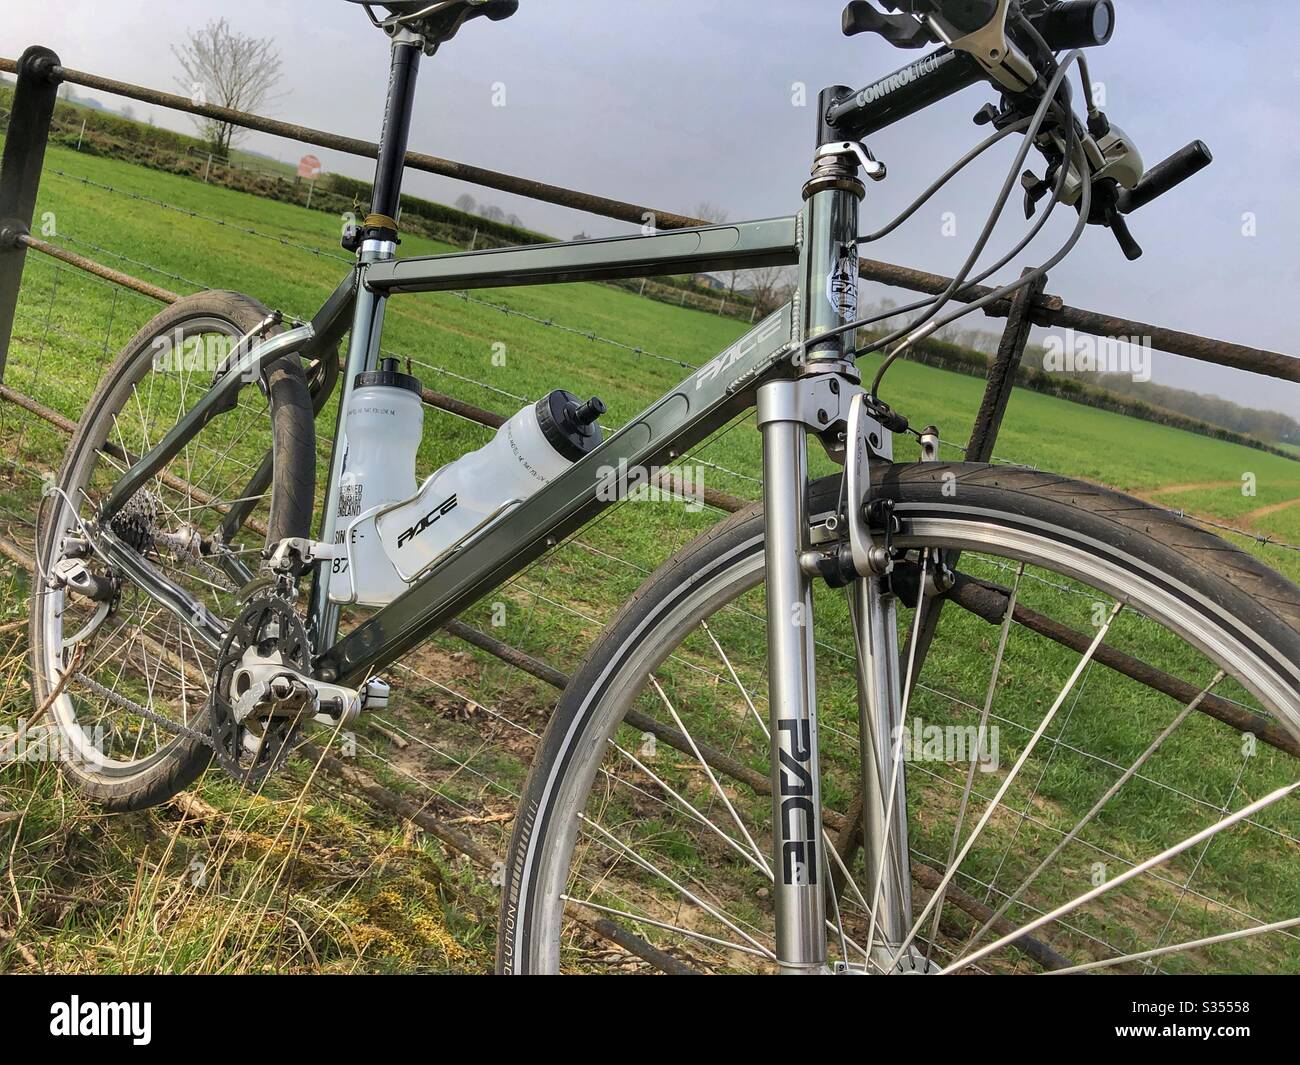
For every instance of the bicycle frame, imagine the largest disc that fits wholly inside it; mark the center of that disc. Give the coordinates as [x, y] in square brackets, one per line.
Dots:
[798, 384]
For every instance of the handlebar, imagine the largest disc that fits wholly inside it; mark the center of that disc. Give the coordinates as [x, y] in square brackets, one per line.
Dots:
[1041, 28]
[945, 72]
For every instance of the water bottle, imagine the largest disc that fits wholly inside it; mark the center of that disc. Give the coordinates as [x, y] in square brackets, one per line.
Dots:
[384, 424]
[535, 446]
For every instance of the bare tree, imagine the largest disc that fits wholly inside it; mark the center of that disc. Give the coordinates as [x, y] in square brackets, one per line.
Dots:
[769, 287]
[465, 202]
[227, 69]
[712, 212]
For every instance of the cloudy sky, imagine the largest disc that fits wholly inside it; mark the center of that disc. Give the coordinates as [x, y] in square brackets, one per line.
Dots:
[673, 102]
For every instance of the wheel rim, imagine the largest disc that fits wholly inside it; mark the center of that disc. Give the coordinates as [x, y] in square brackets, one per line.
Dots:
[1266, 687]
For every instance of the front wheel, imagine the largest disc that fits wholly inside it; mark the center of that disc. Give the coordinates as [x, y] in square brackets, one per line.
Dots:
[1044, 768]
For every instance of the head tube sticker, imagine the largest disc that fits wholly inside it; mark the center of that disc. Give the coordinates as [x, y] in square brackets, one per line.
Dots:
[842, 284]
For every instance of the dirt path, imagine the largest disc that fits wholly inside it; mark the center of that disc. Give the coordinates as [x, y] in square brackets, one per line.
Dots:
[1272, 508]
[1194, 486]
[1244, 521]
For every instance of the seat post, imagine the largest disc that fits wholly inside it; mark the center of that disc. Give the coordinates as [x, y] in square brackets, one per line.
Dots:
[403, 69]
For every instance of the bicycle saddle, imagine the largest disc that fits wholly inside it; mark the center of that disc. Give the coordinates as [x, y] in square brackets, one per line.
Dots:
[437, 22]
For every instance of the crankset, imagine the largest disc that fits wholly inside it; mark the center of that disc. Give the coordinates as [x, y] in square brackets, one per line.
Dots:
[263, 692]
[254, 723]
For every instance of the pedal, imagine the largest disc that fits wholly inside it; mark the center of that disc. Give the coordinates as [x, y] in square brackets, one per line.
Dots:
[268, 688]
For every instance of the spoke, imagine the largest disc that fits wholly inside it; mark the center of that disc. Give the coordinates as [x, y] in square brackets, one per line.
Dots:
[708, 772]
[756, 861]
[665, 925]
[1010, 778]
[896, 753]
[1087, 818]
[653, 869]
[736, 677]
[1129, 874]
[1178, 948]
[1200, 859]
[970, 772]
[835, 905]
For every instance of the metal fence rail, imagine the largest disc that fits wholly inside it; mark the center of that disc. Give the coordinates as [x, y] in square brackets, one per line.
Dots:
[42, 71]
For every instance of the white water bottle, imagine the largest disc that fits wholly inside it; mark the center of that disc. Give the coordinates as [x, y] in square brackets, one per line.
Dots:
[385, 420]
[535, 446]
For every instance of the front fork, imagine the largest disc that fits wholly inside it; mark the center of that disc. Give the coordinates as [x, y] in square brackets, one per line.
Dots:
[819, 400]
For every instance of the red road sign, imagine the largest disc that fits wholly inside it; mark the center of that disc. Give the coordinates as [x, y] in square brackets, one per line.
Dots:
[309, 167]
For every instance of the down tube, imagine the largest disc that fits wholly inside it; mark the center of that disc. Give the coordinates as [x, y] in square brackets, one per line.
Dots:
[703, 403]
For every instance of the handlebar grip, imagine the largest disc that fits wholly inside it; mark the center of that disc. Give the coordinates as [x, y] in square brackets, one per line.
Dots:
[1164, 176]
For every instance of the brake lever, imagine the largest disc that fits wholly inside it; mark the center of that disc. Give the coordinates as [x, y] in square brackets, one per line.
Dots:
[902, 31]
[1131, 248]
[1105, 212]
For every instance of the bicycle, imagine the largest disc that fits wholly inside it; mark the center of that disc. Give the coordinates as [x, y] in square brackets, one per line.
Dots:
[177, 546]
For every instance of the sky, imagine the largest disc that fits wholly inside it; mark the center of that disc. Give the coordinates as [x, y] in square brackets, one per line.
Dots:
[670, 103]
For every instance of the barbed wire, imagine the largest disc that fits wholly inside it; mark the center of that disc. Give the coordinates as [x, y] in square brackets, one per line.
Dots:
[506, 309]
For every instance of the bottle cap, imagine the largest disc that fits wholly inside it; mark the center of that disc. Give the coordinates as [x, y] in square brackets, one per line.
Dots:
[569, 424]
[388, 376]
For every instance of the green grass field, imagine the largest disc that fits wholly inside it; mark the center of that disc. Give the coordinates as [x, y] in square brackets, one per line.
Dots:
[312, 880]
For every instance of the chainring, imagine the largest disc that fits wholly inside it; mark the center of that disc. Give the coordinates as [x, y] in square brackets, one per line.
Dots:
[256, 747]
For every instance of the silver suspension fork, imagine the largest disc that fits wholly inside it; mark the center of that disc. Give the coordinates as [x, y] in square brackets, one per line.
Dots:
[827, 299]
[787, 411]
[884, 791]
[792, 697]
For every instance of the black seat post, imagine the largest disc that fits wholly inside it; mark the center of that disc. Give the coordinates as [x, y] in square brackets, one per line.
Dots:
[404, 66]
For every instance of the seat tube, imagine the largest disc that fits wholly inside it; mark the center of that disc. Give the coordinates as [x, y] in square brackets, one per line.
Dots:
[378, 242]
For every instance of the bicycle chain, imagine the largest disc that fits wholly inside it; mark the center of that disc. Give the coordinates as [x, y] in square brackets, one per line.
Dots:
[133, 707]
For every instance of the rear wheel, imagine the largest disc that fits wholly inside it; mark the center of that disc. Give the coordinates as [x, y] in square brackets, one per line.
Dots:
[1040, 772]
[131, 712]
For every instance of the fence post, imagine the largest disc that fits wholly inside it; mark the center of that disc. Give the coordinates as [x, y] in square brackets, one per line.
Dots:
[1002, 373]
[20, 174]
[997, 393]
